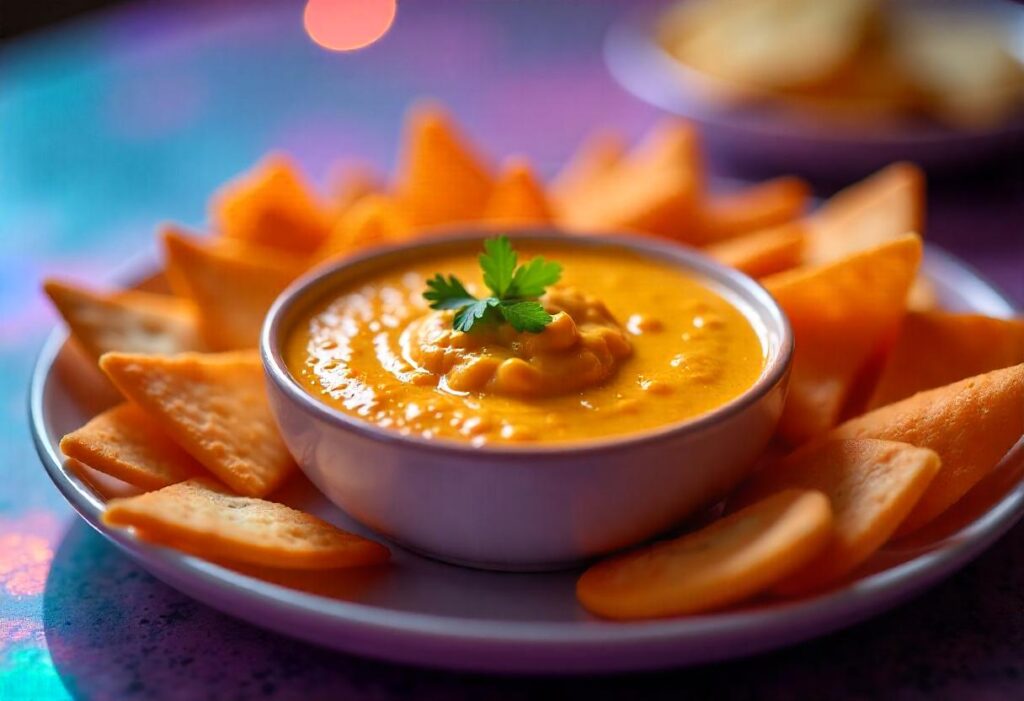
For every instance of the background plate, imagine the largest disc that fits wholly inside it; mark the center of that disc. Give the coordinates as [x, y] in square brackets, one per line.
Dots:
[425, 612]
[768, 136]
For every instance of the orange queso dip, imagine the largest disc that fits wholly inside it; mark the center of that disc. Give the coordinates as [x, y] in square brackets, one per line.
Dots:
[634, 344]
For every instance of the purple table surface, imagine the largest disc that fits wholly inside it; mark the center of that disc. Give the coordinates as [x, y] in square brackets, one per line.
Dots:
[114, 123]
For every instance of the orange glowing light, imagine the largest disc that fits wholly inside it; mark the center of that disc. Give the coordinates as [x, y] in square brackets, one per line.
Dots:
[347, 25]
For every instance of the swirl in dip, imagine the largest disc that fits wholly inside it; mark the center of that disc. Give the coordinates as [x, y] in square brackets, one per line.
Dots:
[634, 344]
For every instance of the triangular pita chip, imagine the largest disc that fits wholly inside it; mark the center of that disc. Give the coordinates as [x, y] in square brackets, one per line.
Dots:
[596, 157]
[129, 321]
[200, 517]
[517, 199]
[971, 424]
[232, 285]
[351, 181]
[762, 252]
[375, 220]
[761, 206]
[272, 206]
[440, 179]
[215, 406]
[124, 442]
[725, 562]
[843, 315]
[655, 189]
[882, 207]
[876, 210]
[938, 348]
[872, 485]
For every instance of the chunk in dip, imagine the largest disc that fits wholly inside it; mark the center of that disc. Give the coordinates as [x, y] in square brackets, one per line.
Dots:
[634, 344]
[581, 347]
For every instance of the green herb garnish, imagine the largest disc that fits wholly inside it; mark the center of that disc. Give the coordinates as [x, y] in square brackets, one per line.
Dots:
[514, 290]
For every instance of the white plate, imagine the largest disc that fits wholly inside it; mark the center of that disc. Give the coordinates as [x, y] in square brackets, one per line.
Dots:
[425, 612]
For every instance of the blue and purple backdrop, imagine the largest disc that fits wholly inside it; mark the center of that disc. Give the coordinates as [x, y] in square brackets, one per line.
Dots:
[112, 124]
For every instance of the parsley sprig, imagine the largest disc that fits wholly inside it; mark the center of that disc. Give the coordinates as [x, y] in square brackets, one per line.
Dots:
[514, 290]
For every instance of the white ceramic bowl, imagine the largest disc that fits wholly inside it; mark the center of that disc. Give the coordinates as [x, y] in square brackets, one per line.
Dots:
[527, 507]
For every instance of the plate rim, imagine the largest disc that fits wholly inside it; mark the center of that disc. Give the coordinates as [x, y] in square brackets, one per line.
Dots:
[571, 646]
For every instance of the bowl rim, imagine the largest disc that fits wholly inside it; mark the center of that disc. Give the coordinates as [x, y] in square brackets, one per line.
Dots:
[775, 369]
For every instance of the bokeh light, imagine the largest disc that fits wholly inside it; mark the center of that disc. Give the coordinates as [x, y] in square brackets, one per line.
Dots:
[346, 25]
[24, 564]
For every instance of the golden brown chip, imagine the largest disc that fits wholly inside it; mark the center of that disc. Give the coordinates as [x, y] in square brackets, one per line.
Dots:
[375, 220]
[232, 285]
[878, 209]
[272, 206]
[655, 189]
[843, 315]
[129, 321]
[887, 205]
[215, 406]
[762, 252]
[597, 156]
[871, 484]
[518, 199]
[728, 561]
[971, 424]
[765, 205]
[201, 518]
[440, 179]
[938, 348]
[351, 181]
[124, 442]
